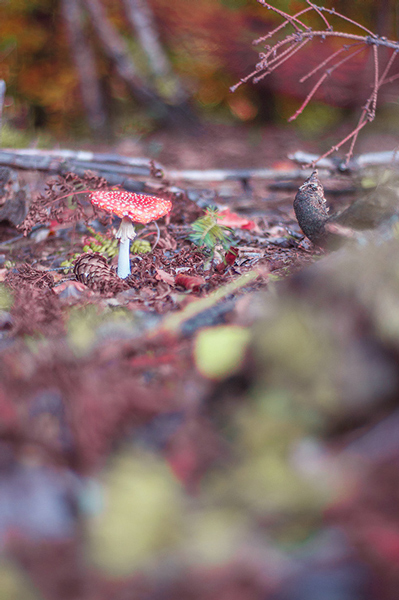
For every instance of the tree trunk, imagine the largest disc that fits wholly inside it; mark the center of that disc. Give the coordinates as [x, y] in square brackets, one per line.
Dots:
[85, 65]
[115, 48]
[141, 19]
[2, 95]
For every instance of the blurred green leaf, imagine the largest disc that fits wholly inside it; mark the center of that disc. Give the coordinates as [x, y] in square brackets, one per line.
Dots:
[142, 514]
[5, 298]
[219, 351]
[14, 585]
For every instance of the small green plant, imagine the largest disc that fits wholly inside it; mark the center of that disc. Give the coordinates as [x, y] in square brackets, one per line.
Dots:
[208, 232]
[106, 246]
[67, 264]
[140, 247]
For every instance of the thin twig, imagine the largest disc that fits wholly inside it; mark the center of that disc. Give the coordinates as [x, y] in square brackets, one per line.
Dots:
[332, 11]
[277, 29]
[320, 81]
[318, 11]
[276, 54]
[327, 60]
[158, 235]
[254, 75]
[376, 86]
[387, 68]
[390, 79]
[292, 20]
[362, 161]
[12, 240]
[286, 57]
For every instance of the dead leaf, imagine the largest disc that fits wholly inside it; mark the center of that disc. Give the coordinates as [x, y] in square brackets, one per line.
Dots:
[69, 288]
[162, 275]
[189, 282]
[231, 219]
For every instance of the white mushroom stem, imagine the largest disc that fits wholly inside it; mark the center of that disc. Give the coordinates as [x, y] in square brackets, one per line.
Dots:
[125, 233]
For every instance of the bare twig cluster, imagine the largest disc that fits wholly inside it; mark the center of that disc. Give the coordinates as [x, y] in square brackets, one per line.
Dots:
[280, 50]
[62, 202]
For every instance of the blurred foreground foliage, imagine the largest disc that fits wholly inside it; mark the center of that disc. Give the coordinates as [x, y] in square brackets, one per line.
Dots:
[245, 448]
[322, 364]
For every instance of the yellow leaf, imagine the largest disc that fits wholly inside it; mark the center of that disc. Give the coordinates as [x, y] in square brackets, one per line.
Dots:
[219, 351]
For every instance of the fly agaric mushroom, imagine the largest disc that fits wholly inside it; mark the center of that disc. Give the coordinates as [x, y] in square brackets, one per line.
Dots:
[130, 207]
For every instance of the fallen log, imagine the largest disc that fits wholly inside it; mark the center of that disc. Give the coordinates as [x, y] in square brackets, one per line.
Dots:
[388, 158]
[119, 169]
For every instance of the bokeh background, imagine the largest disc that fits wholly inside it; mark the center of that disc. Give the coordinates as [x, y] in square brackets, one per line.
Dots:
[83, 69]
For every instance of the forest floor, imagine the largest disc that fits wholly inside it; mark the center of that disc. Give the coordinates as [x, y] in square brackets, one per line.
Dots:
[90, 373]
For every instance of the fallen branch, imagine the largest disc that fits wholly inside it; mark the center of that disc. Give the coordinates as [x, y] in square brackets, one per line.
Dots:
[357, 163]
[120, 170]
[116, 169]
[234, 174]
[132, 173]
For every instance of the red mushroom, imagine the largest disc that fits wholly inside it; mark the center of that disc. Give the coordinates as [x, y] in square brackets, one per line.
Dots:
[130, 207]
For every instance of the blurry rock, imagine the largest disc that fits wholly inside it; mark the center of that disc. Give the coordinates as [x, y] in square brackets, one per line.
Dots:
[5, 176]
[14, 210]
[331, 336]
[342, 581]
[37, 503]
[12, 199]
[326, 569]
[369, 212]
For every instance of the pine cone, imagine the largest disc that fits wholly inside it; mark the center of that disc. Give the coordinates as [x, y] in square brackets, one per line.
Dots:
[93, 270]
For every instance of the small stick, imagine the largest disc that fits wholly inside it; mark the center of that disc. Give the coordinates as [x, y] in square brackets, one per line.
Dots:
[158, 235]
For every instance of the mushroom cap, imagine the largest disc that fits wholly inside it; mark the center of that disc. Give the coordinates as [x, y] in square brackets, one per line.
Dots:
[137, 207]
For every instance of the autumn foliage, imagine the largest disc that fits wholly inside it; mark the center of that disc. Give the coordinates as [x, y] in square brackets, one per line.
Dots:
[209, 45]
